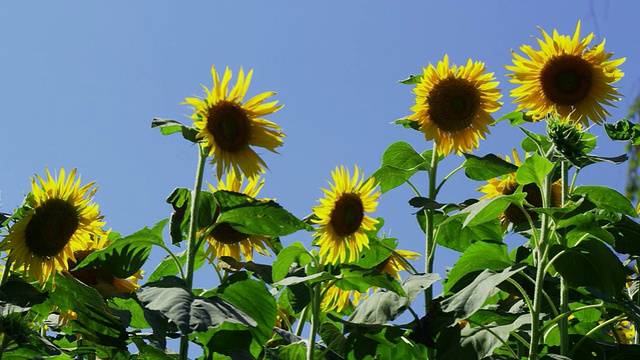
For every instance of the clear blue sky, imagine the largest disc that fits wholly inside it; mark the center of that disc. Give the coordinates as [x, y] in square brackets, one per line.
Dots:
[81, 81]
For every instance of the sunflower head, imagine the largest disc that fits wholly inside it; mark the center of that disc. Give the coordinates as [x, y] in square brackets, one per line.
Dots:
[453, 105]
[565, 78]
[60, 221]
[223, 239]
[508, 185]
[230, 127]
[342, 216]
[397, 262]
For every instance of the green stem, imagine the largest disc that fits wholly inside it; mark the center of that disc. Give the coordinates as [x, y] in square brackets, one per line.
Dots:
[175, 260]
[541, 257]
[448, 176]
[563, 325]
[192, 242]
[6, 271]
[430, 243]
[301, 322]
[315, 320]
[556, 320]
[429, 226]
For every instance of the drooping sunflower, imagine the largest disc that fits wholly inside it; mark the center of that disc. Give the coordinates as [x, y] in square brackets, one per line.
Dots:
[338, 300]
[342, 216]
[565, 78]
[230, 127]
[394, 263]
[60, 220]
[107, 284]
[223, 239]
[507, 185]
[453, 105]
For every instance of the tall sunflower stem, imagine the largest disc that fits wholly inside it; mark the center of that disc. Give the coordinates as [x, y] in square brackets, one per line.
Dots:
[563, 324]
[192, 247]
[315, 314]
[540, 263]
[429, 233]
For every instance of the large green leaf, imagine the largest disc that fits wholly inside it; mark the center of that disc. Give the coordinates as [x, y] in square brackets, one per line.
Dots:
[534, 169]
[486, 167]
[354, 278]
[624, 130]
[489, 209]
[382, 307]
[254, 299]
[93, 322]
[168, 127]
[294, 253]
[607, 199]
[590, 263]
[133, 308]
[399, 163]
[255, 217]
[477, 257]
[468, 300]
[125, 256]
[477, 342]
[515, 118]
[169, 299]
[453, 235]
[626, 234]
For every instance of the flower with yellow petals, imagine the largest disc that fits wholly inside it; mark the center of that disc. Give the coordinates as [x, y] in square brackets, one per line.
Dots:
[230, 127]
[565, 78]
[60, 221]
[223, 239]
[342, 216]
[397, 262]
[454, 103]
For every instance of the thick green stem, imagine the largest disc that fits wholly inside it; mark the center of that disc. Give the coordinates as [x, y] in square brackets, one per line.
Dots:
[430, 244]
[563, 325]
[192, 243]
[315, 318]
[540, 262]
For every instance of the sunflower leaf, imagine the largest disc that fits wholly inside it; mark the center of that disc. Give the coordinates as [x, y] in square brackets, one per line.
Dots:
[489, 209]
[486, 167]
[400, 162]
[125, 256]
[534, 169]
[412, 79]
[515, 118]
[255, 217]
[623, 130]
[607, 199]
[453, 235]
[294, 253]
[353, 278]
[168, 127]
[168, 266]
[477, 257]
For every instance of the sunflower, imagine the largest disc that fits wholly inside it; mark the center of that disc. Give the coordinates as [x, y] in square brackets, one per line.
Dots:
[60, 220]
[397, 262]
[453, 105]
[102, 280]
[223, 239]
[507, 185]
[338, 300]
[230, 127]
[342, 217]
[565, 78]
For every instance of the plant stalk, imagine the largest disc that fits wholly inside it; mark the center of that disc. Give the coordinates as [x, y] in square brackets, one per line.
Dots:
[563, 325]
[192, 247]
[315, 307]
[430, 244]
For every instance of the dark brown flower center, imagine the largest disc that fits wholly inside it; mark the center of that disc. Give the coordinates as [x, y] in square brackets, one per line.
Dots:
[226, 234]
[566, 79]
[513, 213]
[51, 227]
[453, 104]
[347, 214]
[229, 125]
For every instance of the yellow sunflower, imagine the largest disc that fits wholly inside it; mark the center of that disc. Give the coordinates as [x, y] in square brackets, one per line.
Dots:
[394, 263]
[565, 78]
[230, 127]
[453, 105]
[342, 217]
[223, 239]
[61, 220]
[507, 185]
[338, 300]
[102, 280]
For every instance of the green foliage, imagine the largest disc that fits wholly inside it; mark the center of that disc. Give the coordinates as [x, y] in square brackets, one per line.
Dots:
[400, 162]
[125, 256]
[168, 127]
[477, 257]
[486, 167]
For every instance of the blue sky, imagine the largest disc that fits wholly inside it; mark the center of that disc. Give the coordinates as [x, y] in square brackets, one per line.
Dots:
[81, 81]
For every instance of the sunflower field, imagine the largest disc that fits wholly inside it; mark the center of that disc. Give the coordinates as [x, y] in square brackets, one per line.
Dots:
[73, 288]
